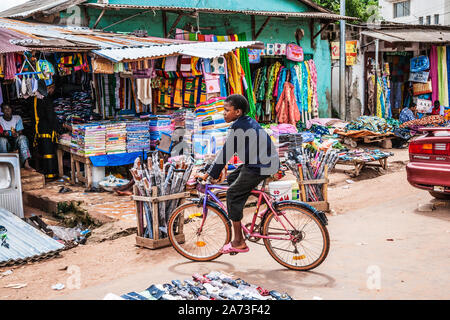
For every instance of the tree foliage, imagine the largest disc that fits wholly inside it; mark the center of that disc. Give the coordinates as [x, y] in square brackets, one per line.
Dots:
[362, 9]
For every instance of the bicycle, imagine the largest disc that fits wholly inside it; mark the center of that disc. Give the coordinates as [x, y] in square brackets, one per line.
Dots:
[199, 234]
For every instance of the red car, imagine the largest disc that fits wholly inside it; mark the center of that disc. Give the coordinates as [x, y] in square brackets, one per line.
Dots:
[429, 166]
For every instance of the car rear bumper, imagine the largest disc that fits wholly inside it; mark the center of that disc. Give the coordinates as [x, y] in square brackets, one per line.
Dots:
[426, 175]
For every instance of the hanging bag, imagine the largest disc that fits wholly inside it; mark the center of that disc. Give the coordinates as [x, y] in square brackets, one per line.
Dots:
[254, 55]
[294, 52]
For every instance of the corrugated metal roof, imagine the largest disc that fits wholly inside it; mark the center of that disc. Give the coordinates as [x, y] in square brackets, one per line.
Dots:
[198, 49]
[315, 15]
[45, 7]
[6, 46]
[25, 242]
[118, 47]
[410, 35]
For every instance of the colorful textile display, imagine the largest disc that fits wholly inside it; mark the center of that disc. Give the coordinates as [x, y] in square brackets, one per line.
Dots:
[89, 139]
[365, 155]
[116, 138]
[74, 110]
[442, 75]
[434, 73]
[373, 124]
[159, 125]
[138, 136]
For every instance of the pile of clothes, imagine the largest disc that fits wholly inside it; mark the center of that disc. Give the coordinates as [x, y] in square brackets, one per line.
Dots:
[212, 286]
[89, 139]
[138, 136]
[75, 109]
[371, 123]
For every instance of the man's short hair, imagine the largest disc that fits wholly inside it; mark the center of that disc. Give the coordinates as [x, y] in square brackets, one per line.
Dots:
[5, 105]
[238, 102]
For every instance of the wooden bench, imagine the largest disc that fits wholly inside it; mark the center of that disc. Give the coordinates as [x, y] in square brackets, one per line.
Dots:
[75, 167]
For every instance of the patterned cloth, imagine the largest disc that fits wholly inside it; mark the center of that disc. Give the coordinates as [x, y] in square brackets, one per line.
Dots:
[406, 115]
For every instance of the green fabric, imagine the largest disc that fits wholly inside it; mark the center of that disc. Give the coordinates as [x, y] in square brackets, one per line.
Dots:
[442, 75]
[248, 78]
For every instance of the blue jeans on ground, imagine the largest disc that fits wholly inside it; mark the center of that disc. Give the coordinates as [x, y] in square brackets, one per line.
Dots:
[20, 143]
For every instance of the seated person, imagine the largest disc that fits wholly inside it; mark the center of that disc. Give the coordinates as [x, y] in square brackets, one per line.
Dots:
[11, 138]
[408, 114]
[437, 109]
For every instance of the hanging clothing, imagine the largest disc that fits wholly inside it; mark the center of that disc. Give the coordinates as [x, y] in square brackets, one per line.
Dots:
[144, 91]
[315, 97]
[235, 73]
[442, 75]
[434, 74]
[286, 108]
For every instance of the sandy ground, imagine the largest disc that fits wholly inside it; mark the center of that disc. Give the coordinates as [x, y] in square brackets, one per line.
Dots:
[382, 247]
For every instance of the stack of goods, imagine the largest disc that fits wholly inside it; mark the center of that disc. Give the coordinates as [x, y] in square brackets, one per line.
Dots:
[375, 125]
[364, 155]
[138, 136]
[65, 139]
[431, 121]
[116, 137]
[89, 139]
[286, 93]
[212, 286]
[159, 125]
[309, 164]
[282, 136]
[169, 179]
[191, 126]
[75, 109]
[210, 128]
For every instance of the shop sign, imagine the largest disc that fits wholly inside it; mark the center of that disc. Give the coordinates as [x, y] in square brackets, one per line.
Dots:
[423, 106]
[421, 77]
[351, 51]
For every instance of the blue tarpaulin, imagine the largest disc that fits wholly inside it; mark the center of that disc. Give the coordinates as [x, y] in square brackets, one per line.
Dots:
[120, 159]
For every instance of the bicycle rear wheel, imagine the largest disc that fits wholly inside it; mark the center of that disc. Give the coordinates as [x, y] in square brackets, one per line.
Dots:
[204, 245]
[311, 239]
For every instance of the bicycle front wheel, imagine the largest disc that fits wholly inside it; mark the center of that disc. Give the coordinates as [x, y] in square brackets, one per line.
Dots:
[310, 244]
[194, 243]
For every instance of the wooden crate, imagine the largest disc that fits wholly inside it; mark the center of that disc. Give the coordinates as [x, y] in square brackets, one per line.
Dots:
[156, 242]
[319, 205]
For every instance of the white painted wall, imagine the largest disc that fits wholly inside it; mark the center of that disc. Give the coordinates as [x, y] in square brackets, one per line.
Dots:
[418, 8]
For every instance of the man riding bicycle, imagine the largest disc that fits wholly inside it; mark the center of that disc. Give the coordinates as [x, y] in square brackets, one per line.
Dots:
[256, 150]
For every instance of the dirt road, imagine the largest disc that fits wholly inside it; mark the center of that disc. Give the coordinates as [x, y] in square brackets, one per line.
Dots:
[382, 247]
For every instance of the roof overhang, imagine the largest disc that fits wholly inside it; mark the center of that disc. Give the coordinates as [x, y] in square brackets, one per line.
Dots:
[304, 15]
[410, 35]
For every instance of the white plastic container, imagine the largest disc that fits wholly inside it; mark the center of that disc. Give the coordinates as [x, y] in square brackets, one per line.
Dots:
[98, 174]
[281, 190]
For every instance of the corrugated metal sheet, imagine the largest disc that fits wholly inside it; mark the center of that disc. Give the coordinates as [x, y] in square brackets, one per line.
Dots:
[31, 7]
[198, 49]
[5, 42]
[410, 35]
[315, 15]
[25, 242]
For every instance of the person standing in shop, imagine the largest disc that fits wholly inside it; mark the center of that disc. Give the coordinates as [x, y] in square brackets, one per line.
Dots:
[11, 137]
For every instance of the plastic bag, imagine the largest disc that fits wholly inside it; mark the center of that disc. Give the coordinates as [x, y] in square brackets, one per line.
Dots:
[66, 234]
[420, 63]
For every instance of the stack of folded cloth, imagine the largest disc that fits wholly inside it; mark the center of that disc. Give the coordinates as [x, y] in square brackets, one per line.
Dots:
[65, 139]
[159, 125]
[211, 125]
[138, 136]
[89, 139]
[116, 138]
[75, 109]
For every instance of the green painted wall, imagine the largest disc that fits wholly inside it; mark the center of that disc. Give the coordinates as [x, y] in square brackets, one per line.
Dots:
[277, 30]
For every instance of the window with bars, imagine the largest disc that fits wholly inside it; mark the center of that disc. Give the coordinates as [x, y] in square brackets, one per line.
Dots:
[402, 9]
[420, 20]
[428, 20]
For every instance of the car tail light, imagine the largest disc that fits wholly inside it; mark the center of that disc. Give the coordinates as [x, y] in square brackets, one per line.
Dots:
[420, 148]
[442, 149]
[429, 148]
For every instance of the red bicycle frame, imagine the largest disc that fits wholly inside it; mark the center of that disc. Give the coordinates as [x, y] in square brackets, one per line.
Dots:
[262, 196]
